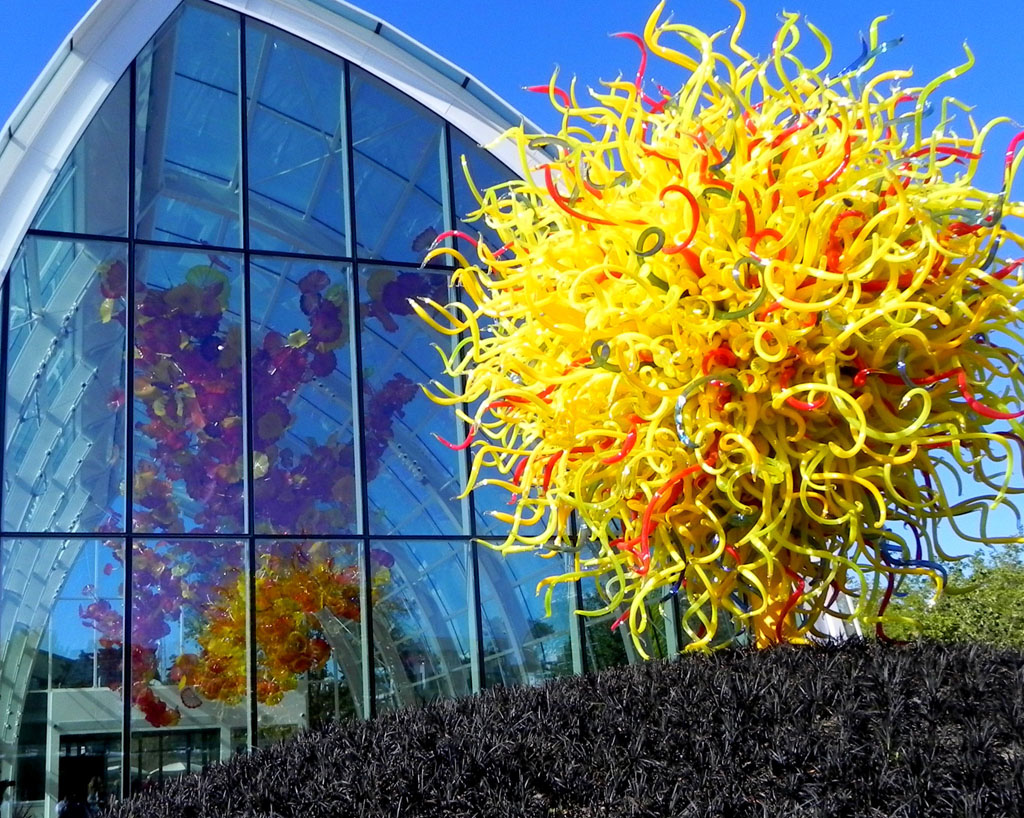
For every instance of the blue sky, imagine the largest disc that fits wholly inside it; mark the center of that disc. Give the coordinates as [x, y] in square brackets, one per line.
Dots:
[511, 43]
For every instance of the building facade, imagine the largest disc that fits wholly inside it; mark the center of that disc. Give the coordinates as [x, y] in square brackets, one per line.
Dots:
[218, 461]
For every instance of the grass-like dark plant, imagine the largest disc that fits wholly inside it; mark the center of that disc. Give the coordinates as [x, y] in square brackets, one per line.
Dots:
[854, 729]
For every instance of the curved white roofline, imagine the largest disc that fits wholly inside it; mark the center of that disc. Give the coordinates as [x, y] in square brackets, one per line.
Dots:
[45, 127]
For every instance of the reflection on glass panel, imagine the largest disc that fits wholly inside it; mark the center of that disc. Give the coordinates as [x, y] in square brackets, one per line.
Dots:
[302, 397]
[420, 622]
[29, 759]
[491, 499]
[604, 647]
[188, 130]
[188, 652]
[90, 193]
[485, 171]
[607, 638]
[488, 499]
[308, 634]
[189, 436]
[396, 146]
[158, 757]
[522, 644]
[296, 145]
[692, 622]
[65, 387]
[413, 479]
[61, 620]
[91, 767]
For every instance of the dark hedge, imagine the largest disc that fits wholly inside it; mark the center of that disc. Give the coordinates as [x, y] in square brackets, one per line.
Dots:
[859, 729]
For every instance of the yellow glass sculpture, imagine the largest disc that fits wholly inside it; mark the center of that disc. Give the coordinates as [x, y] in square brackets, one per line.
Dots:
[744, 337]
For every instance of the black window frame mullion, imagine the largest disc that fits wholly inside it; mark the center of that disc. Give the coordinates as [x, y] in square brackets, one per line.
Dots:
[129, 445]
[252, 657]
[438, 265]
[576, 624]
[474, 605]
[358, 424]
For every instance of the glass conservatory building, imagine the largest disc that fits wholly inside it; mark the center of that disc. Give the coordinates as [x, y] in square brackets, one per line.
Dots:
[225, 516]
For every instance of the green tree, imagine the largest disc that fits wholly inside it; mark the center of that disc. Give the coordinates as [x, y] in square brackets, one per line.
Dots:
[984, 603]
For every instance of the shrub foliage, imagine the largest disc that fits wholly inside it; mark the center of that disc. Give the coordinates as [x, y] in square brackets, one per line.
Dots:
[858, 729]
[985, 603]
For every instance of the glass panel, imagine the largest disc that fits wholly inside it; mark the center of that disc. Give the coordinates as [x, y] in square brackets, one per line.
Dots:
[420, 622]
[487, 499]
[522, 644]
[89, 769]
[607, 641]
[397, 147]
[90, 194]
[727, 626]
[308, 635]
[297, 176]
[604, 647]
[158, 757]
[302, 397]
[485, 171]
[188, 652]
[63, 467]
[61, 620]
[187, 130]
[413, 479]
[189, 435]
